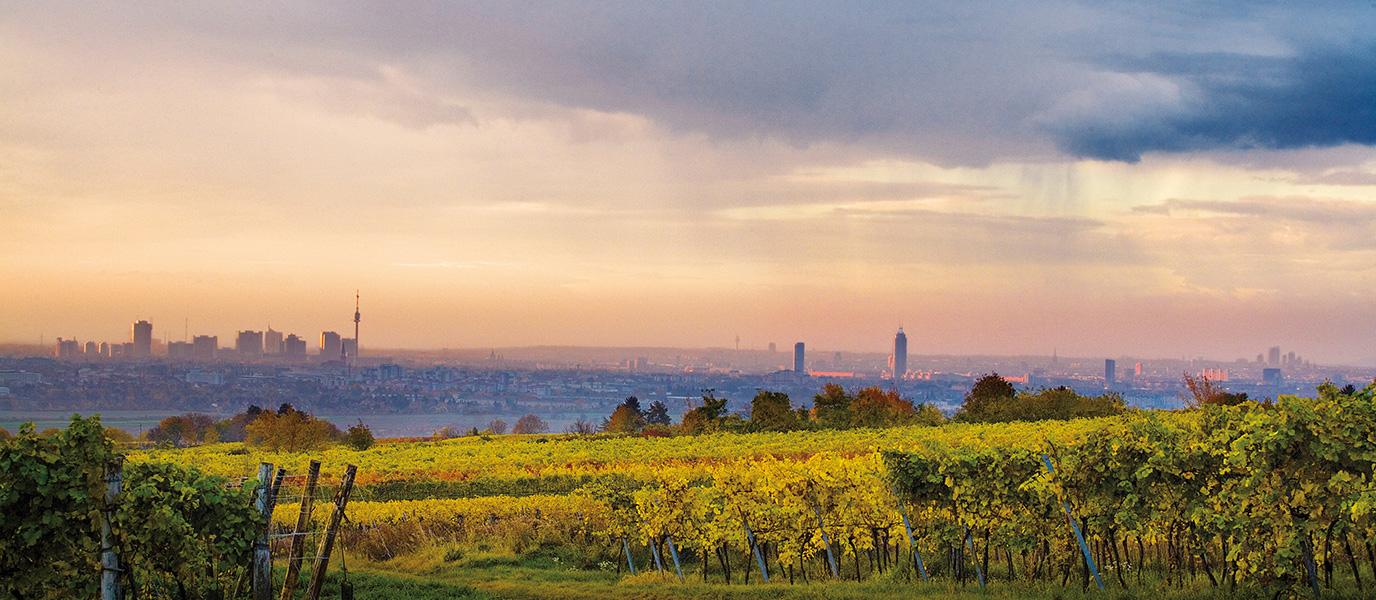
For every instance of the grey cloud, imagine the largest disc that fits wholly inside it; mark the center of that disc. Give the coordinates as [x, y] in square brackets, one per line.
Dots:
[949, 83]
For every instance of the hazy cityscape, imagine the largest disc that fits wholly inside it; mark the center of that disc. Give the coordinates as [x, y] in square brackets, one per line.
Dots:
[138, 381]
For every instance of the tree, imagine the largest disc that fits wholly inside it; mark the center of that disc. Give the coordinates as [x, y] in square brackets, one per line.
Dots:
[658, 414]
[359, 436]
[831, 408]
[707, 417]
[928, 414]
[1205, 392]
[984, 397]
[184, 430]
[582, 427]
[627, 418]
[875, 407]
[290, 430]
[530, 424]
[772, 411]
[497, 426]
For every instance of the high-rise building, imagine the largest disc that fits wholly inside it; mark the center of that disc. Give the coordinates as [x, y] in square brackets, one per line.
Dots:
[294, 347]
[349, 348]
[203, 347]
[90, 349]
[142, 336]
[773, 348]
[105, 349]
[1110, 371]
[1272, 377]
[1137, 369]
[249, 343]
[329, 345]
[900, 354]
[66, 348]
[1273, 356]
[798, 356]
[180, 350]
[272, 341]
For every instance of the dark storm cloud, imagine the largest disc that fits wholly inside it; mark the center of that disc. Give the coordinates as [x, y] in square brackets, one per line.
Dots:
[1319, 97]
[952, 83]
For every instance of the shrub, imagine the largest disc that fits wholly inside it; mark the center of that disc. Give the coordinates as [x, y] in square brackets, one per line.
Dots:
[359, 437]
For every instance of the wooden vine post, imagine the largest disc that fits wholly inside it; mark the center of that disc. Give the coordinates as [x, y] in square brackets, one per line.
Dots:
[625, 545]
[109, 561]
[341, 501]
[262, 554]
[298, 535]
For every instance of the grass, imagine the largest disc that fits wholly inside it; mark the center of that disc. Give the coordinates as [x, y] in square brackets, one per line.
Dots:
[542, 574]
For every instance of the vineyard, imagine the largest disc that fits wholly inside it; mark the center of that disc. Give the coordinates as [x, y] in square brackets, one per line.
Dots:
[1242, 500]
[1249, 497]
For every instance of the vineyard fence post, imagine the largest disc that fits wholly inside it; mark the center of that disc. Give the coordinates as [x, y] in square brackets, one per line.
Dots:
[1075, 528]
[625, 545]
[970, 545]
[341, 501]
[109, 561]
[262, 555]
[654, 553]
[822, 526]
[673, 553]
[298, 535]
[912, 543]
[755, 548]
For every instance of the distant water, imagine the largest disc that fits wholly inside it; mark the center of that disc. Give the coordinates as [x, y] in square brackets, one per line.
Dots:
[386, 425]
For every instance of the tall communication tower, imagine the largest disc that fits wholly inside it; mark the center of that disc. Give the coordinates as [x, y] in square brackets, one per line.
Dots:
[357, 346]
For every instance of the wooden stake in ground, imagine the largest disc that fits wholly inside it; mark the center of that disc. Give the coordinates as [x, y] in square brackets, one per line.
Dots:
[262, 555]
[109, 562]
[341, 500]
[298, 535]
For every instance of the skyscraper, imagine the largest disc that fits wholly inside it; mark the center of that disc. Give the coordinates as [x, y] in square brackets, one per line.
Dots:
[329, 345]
[203, 347]
[272, 341]
[142, 336]
[1273, 356]
[294, 347]
[249, 343]
[798, 355]
[1110, 371]
[900, 354]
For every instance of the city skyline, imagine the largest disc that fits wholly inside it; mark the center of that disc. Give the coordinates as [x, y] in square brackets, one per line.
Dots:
[1170, 180]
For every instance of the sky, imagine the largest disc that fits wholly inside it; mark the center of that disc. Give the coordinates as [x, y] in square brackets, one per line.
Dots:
[1101, 178]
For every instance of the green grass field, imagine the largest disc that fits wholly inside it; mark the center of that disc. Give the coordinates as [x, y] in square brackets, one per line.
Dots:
[440, 572]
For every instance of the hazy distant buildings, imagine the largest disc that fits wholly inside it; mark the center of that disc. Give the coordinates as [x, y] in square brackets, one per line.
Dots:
[349, 348]
[1110, 371]
[798, 358]
[294, 347]
[249, 343]
[773, 348]
[329, 345]
[1273, 356]
[203, 347]
[104, 349]
[180, 350]
[1272, 376]
[272, 341]
[66, 348]
[90, 349]
[142, 337]
[900, 354]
